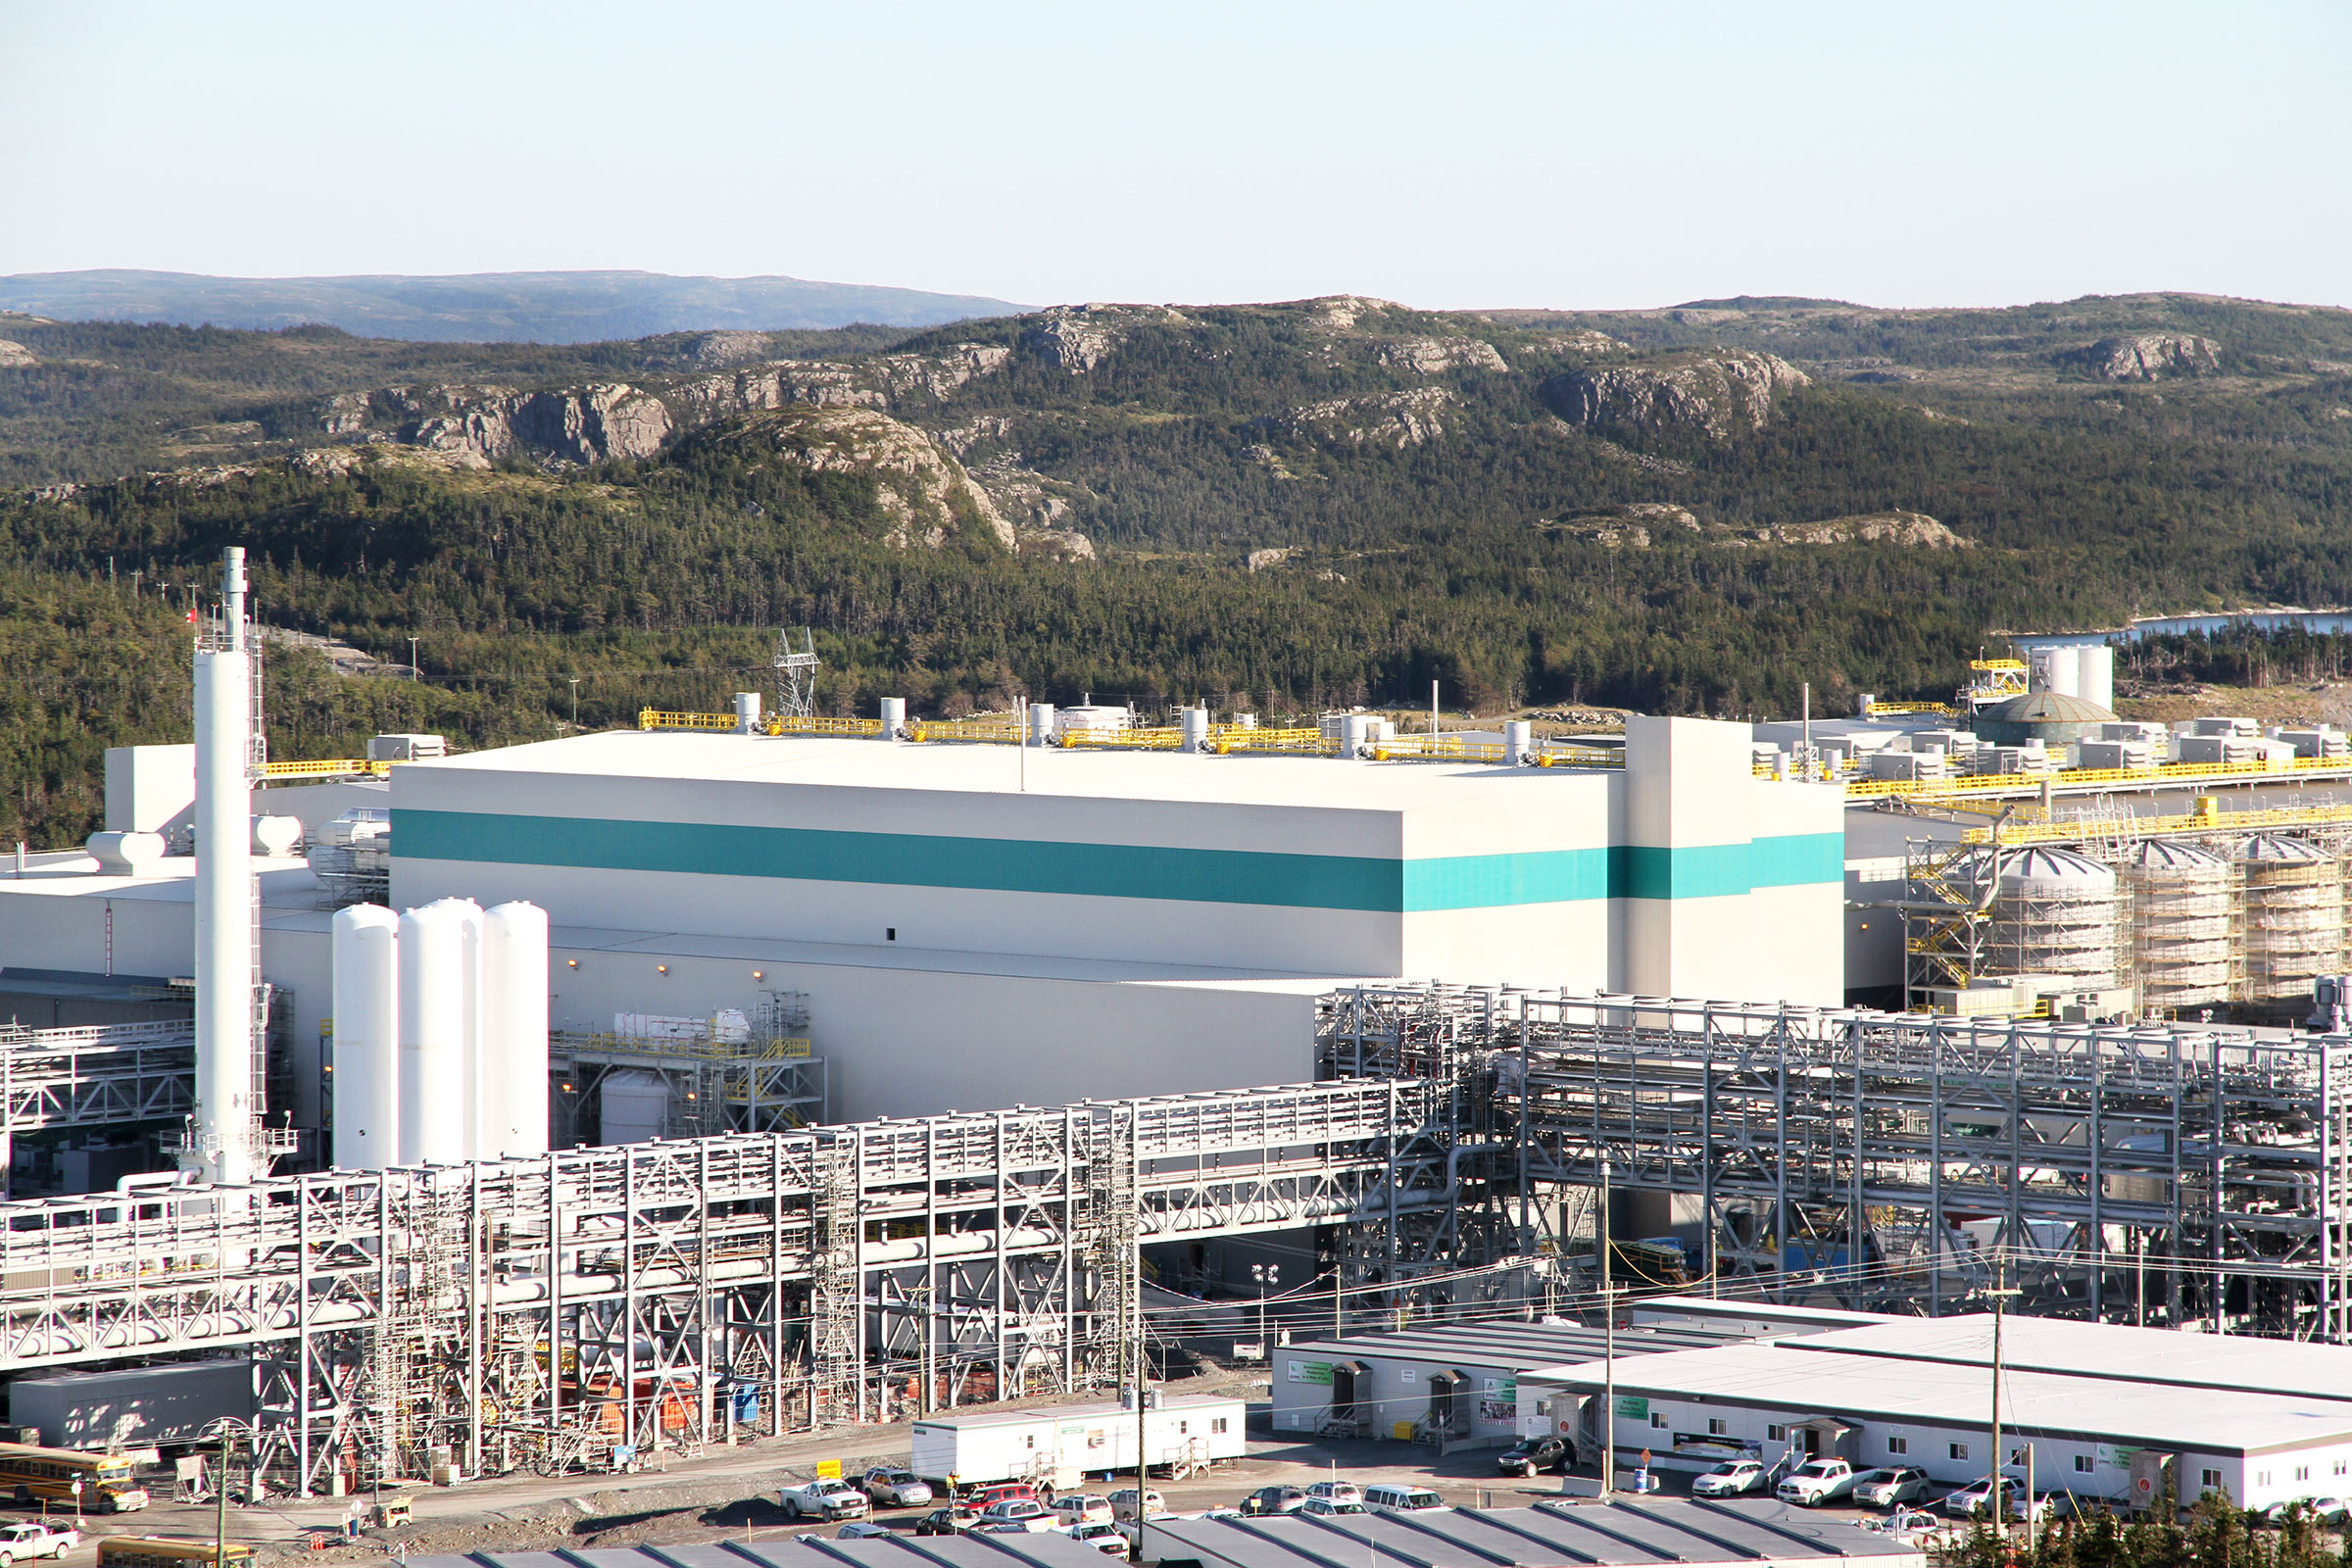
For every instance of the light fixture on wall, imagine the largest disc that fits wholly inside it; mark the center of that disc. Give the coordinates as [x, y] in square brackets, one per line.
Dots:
[661, 968]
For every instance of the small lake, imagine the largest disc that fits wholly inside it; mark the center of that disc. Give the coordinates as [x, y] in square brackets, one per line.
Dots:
[2312, 620]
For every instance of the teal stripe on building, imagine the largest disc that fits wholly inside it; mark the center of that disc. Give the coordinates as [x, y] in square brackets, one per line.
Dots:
[1118, 870]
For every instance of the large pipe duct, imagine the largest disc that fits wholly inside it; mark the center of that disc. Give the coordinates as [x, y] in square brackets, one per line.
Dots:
[222, 1146]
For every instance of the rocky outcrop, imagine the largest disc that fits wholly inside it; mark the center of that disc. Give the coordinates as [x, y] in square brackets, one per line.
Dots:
[1398, 419]
[888, 382]
[1260, 560]
[1078, 337]
[1637, 524]
[475, 426]
[15, 355]
[1915, 529]
[1578, 342]
[924, 494]
[2144, 357]
[1435, 355]
[1339, 313]
[1034, 506]
[1718, 393]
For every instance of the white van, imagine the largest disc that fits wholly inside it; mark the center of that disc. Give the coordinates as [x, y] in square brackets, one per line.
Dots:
[1401, 1499]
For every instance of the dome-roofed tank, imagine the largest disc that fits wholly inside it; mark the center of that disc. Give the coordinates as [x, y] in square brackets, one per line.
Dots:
[2051, 717]
[2293, 906]
[2180, 923]
[2053, 913]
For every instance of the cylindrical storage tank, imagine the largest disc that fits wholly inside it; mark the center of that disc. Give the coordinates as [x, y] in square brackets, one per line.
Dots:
[1518, 737]
[894, 717]
[365, 949]
[432, 998]
[747, 712]
[2054, 913]
[1040, 723]
[635, 1107]
[2055, 670]
[514, 1118]
[1194, 728]
[2094, 679]
[2291, 905]
[473, 1067]
[2182, 946]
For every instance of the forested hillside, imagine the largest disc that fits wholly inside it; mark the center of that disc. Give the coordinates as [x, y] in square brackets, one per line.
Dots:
[1274, 507]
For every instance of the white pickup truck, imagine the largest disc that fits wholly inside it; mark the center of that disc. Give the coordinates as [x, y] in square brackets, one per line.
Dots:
[1818, 1481]
[36, 1538]
[822, 1499]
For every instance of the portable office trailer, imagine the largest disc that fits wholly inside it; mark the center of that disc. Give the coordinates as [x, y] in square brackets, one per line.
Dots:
[1060, 1447]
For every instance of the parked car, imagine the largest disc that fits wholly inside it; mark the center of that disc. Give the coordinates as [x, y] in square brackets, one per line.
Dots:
[1324, 1507]
[2046, 1504]
[1221, 1513]
[994, 1493]
[1337, 1491]
[2319, 1510]
[2330, 1510]
[1886, 1488]
[1391, 1498]
[1969, 1500]
[1082, 1508]
[1001, 1528]
[1730, 1479]
[860, 1529]
[1122, 1504]
[954, 1520]
[1102, 1535]
[37, 1538]
[1531, 1454]
[896, 1489]
[1818, 1481]
[1027, 1512]
[1273, 1500]
[824, 1499]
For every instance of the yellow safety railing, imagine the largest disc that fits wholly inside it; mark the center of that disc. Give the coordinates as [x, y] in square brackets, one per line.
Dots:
[700, 1046]
[659, 719]
[1439, 749]
[1944, 709]
[2164, 775]
[2012, 665]
[2147, 827]
[345, 767]
[1001, 729]
[1580, 756]
[867, 727]
[1158, 739]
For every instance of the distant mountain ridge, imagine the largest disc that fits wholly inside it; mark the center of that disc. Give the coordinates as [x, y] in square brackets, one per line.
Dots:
[485, 306]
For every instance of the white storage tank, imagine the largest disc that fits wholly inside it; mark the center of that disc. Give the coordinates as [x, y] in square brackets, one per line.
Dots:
[635, 1105]
[513, 1054]
[2292, 914]
[2094, 676]
[2055, 915]
[2181, 944]
[365, 951]
[435, 991]
[2055, 669]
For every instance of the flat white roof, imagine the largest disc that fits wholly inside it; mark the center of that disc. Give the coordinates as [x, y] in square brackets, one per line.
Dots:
[1797, 1378]
[972, 768]
[2111, 1350]
[1824, 1317]
[1074, 1412]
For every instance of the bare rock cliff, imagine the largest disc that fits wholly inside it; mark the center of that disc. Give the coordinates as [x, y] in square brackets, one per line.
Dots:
[1435, 355]
[1719, 393]
[924, 493]
[2146, 357]
[1398, 419]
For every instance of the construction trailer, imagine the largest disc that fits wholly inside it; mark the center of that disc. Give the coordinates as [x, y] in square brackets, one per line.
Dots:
[1060, 1447]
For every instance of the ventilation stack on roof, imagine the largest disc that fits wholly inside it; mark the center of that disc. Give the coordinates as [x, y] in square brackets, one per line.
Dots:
[2055, 915]
[2294, 915]
[2182, 951]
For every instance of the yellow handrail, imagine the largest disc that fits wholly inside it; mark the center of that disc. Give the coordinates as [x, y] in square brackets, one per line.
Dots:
[867, 727]
[345, 767]
[1002, 728]
[659, 719]
[1945, 708]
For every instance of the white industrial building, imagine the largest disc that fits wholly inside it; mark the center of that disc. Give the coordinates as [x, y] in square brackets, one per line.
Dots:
[981, 925]
[1060, 1446]
[2101, 1406]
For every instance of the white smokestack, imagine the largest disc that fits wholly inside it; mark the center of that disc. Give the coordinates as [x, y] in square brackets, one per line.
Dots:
[223, 1148]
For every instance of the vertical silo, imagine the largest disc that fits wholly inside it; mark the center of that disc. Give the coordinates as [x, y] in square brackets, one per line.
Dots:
[365, 945]
[434, 994]
[2181, 944]
[513, 1038]
[2294, 915]
[2054, 913]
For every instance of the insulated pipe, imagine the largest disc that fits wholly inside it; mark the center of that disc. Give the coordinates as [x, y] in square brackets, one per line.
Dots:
[432, 1036]
[515, 1031]
[367, 985]
[221, 1148]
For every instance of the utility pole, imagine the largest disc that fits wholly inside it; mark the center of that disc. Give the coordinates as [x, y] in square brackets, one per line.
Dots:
[1999, 1293]
[575, 701]
[1608, 1345]
[413, 673]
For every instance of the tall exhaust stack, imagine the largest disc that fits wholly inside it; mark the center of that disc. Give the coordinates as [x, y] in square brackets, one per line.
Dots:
[222, 1148]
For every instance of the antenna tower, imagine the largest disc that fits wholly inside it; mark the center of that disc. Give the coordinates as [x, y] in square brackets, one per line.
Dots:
[796, 676]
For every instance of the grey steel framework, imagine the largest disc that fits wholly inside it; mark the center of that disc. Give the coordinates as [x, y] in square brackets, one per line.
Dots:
[530, 1314]
[99, 1075]
[2170, 1174]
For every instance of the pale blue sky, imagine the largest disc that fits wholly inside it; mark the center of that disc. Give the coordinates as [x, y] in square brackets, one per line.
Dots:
[1447, 154]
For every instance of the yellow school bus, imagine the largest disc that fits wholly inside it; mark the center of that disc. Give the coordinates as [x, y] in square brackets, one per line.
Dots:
[169, 1551]
[32, 1475]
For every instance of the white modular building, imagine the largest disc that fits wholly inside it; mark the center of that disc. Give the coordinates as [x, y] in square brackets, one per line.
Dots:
[2115, 1407]
[1062, 1444]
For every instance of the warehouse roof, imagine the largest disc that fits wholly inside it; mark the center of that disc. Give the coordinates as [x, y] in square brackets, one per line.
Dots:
[1510, 1342]
[1795, 1376]
[2110, 1350]
[1259, 781]
[1792, 1316]
[1616, 1533]
[1045, 1549]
